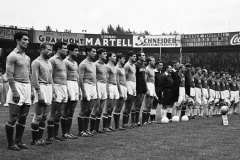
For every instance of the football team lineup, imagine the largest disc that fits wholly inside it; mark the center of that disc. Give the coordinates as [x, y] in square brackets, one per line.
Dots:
[115, 92]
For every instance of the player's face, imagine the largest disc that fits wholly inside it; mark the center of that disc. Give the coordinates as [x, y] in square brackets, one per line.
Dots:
[23, 43]
[183, 69]
[213, 74]
[103, 56]
[122, 60]
[47, 52]
[113, 58]
[152, 62]
[92, 54]
[63, 51]
[159, 66]
[133, 58]
[169, 69]
[75, 52]
[142, 57]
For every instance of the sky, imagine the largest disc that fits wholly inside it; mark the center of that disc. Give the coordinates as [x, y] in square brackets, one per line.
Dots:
[155, 16]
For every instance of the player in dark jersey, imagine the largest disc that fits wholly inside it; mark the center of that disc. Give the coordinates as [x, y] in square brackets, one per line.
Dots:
[212, 93]
[205, 93]
[141, 88]
[167, 84]
[158, 89]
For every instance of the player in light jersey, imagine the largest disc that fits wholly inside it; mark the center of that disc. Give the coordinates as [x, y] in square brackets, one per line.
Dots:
[74, 92]
[112, 90]
[121, 83]
[20, 92]
[60, 94]
[151, 93]
[101, 75]
[43, 85]
[182, 93]
[87, 82]
[130, 71]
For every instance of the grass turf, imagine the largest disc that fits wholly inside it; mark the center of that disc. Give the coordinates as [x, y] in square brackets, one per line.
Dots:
[201, 138]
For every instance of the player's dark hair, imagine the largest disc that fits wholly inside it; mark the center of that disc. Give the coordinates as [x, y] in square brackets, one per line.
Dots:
[44, 45]
[150, 58]
[72, 46]
[158, 62]
[174, 62]
[109, 54]
[100, 51]
[139, 53]
[119, 56]
[88, 49]
[19, 35]
[59, 45]
[130, 54]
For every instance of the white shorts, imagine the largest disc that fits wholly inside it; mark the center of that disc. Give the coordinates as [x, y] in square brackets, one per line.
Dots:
[151, 89]
[192, 92]
[205, 93]
[46, 92]
[102, 90]
[227, 94]
[24, 90]
[198, 95]
[217, 95]
[131, 88]
[237, 96]
[124, 92]
[73, 90]
[232, 95]
[182, 96]
[61, 93]
[212, 95]
[91, 91]
[223, 96]
[113, 91]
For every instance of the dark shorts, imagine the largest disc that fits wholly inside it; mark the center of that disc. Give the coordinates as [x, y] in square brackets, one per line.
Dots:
[168, 97]
[159, 94]
[141, 88]
[187, 90]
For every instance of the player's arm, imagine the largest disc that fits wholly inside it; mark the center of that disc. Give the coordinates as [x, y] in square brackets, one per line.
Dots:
[30, 79]
[146, 78]
[35, 80]
[118, 82]
[10, 67]
[108, 70]
[126, 68]
[52, 62]
[81, 72]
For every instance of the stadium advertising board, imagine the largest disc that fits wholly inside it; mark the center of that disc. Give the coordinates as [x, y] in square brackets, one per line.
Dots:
[8, 33]
[205, 40]
[234, 38]
[108, 40]
[152, 41]
[53, 37]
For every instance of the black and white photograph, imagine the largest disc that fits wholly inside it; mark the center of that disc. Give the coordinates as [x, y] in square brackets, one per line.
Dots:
[119, 80]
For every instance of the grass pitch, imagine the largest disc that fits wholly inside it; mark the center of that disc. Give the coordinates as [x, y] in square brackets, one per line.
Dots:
[201, 138]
